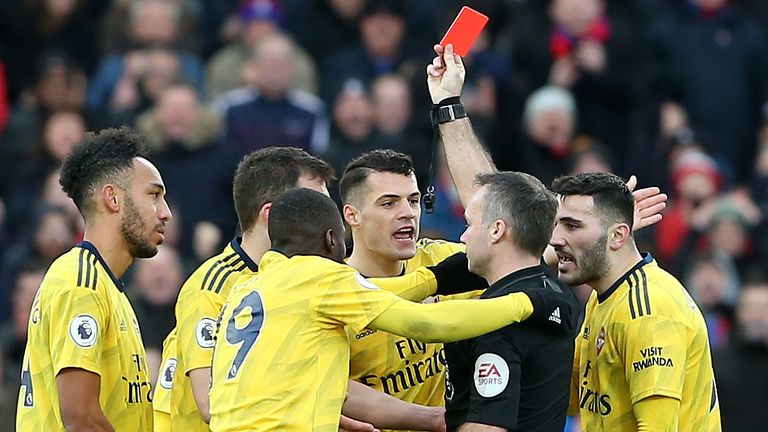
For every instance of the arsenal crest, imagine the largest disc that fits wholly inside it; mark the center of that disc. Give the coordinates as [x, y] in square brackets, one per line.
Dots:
[600, 340]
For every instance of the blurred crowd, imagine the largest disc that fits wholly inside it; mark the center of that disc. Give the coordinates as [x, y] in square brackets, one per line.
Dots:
[675, 91]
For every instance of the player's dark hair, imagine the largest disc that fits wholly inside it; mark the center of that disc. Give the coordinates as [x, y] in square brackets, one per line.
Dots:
[299, 220]
[383, 160]
[611, 196]
[98, 158]
[524, 204]
[264, 174]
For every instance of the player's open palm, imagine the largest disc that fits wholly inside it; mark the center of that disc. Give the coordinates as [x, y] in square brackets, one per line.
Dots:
[445, 75]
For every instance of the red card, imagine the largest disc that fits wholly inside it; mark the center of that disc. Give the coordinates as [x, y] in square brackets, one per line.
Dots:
[464, 30]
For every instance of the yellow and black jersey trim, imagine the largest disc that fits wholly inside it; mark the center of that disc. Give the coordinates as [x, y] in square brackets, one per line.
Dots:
[218, 274]
[87, 273]
[639, 302]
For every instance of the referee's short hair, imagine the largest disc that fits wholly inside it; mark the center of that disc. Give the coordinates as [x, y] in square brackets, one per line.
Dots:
[526, 206]
[98, 158]
[610, 194]
[300, 218]
[264, 174]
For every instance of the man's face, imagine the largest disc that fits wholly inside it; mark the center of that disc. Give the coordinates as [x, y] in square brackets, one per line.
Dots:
[475, 236]
[389, 216]
[580, 241]
[753, 313]
[145, 211]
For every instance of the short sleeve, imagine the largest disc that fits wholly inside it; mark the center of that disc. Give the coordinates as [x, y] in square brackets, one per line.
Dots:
[196, 328]
[79, 319]
[654, 355]
[350, 299]
[495, 386]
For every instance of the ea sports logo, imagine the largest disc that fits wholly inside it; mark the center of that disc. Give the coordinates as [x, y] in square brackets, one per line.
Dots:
[84, 330]
[491, 375]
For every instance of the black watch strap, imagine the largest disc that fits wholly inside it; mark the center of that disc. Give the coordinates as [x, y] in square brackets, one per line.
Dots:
[446, 113]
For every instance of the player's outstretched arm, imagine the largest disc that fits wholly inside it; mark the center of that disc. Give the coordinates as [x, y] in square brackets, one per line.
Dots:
[466, 156]
[657, 413]
[385, 411]
[463, 319]
[79, 401]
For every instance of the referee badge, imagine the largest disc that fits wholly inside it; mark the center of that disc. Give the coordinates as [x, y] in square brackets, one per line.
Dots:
[491, 375]
[84, 330]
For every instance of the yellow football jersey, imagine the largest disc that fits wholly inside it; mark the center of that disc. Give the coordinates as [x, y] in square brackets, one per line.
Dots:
[282, 355]
[643, 337]
[161, 399]
[197, 308]
[82, 319]
[407, 369]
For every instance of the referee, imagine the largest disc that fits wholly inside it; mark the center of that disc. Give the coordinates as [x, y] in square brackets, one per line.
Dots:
[517, 377]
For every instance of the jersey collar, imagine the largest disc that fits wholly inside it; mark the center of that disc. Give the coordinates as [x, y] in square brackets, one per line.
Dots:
[647, 259]
[513, 278]
[235, 244]
[91, 248]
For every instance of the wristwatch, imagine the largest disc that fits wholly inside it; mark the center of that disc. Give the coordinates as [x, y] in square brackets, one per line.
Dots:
[446, 113]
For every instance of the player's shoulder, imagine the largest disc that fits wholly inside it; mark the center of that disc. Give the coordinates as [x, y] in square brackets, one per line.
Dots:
[218, 273]
[654, 292]
[77, 268]
[432, 251]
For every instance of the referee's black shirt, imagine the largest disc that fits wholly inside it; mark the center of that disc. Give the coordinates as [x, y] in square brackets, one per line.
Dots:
[517, 377]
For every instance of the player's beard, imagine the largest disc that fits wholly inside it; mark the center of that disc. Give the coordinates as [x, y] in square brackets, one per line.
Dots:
[592, 263]
[133, 229]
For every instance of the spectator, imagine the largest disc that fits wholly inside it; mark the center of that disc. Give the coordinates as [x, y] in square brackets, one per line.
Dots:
[591, 54]
[714, 283]
[549, 123]
[39, 26]
[272, 113]
[695, 180]
[353, 126]
[257, 19]
[59, 86]
[153, 26]
[129, 24]
[13, 336]
[382, 50]
[155, 286]
[182, 137]
[395, 128]
[709, 44]
[336, 20]
[53, 234]
[742, 378]
[60, 132]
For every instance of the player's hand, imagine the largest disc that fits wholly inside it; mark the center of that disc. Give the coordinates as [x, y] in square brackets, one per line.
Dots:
[649, 203]
[347, 424]
[552, 309]
[445, 75]
[453, 275]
